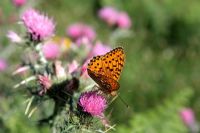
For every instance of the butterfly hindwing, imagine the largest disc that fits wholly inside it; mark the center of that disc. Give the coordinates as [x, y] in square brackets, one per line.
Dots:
[106, 84]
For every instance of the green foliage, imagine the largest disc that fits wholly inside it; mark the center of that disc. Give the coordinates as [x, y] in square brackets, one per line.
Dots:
[164, 118]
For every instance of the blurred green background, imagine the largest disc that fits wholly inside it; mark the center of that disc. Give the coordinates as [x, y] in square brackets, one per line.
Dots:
[162, 71]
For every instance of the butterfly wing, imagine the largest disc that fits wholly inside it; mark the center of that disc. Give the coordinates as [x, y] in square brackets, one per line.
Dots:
[95, 69]
[96, 65]
[105, 70]
[113, 63]
[106, 84]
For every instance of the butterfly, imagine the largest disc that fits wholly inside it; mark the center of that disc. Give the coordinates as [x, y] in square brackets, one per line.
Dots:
[105, 70]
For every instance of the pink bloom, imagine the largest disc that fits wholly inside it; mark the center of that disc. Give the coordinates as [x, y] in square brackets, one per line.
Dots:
[109, 15]
[59, 70]
[92, 103]
[45, 83]
[80, 30]
[19, 3]
[75, 30]
[123, 20]
[38, 25]
[99, 49]
[14, 37]
[187, 116]
[88, 32]
[3, 65]
[51, 50]
[73, 66]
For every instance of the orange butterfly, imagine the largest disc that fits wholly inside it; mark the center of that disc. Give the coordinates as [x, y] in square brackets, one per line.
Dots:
[105, 70]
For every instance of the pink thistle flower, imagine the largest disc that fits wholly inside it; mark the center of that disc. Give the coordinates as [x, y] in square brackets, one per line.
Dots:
[51, 51]
[75, 30]
[187, 116]
[109, 15]
[73, 66]
[45, 82]
[59, 70]
[123, 20]
[38, 25]
[18, 3]
[3, 65]
[88, 32]
[14, 37]
[92, 103]
[99, 49]
[80, 30]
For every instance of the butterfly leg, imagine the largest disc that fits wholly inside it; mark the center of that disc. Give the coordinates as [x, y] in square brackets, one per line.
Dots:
[96, 87]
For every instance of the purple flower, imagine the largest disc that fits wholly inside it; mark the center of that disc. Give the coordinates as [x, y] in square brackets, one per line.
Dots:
[80, 30]
[109, 15]
[18, 3]
[3, 65]
[88, 32]
[75, 30]
[92, 103]
[115, 18]
[123, 20]
[14, 37]
[51, 51]
[38, 25]
[99, 49]
[187, 116]
[45, 83]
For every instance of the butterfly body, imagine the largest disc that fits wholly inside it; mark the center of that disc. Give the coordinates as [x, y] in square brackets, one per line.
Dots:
[105, 70]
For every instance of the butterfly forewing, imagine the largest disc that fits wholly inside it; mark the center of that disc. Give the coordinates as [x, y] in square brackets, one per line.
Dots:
[113, 63]
[96, 65]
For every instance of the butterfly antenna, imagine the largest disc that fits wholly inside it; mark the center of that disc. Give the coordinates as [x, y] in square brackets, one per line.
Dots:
[122, 100]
